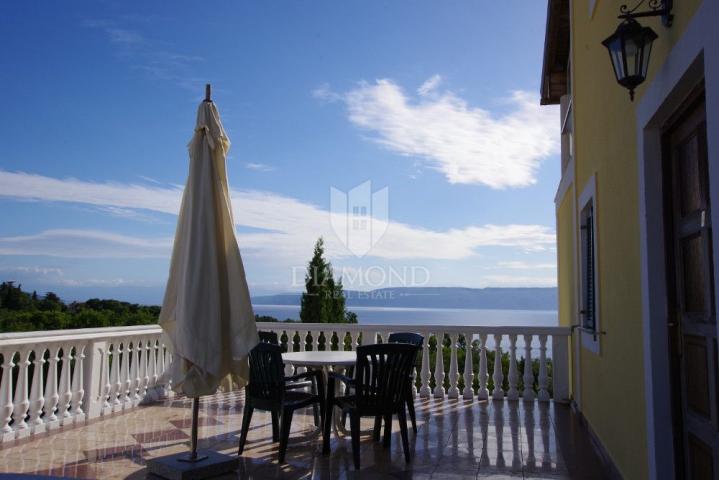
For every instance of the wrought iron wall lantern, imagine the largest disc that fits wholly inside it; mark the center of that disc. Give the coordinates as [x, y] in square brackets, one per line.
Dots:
[631, 44]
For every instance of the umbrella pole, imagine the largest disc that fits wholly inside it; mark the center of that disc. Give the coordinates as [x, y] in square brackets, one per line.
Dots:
[193, 457]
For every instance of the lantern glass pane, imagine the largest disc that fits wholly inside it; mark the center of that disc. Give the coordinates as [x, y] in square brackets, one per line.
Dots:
[615, 52]
[633, 57]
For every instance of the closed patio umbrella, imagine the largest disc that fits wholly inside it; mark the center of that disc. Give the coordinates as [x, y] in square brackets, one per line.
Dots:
[206, 311]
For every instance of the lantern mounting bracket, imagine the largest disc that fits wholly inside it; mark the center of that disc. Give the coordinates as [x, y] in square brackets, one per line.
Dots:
[657, 8]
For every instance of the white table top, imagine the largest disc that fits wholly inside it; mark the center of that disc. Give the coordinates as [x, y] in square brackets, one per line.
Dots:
[320, 358]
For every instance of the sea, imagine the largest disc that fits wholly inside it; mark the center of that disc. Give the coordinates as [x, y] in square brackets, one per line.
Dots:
[429, 316]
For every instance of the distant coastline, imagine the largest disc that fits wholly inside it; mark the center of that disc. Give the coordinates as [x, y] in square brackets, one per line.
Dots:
[445, 298]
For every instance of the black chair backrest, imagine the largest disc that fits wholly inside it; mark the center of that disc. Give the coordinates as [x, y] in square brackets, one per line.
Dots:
[267, 376]
[268, 337]
[381, 374]
[406, 337]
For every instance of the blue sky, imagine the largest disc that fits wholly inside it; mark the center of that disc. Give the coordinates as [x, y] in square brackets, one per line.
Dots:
[437, 102]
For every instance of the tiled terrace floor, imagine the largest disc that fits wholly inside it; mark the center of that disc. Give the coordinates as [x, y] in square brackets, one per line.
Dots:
[456, 440]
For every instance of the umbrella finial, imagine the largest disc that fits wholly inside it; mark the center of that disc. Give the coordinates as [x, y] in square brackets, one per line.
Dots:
[208, 92]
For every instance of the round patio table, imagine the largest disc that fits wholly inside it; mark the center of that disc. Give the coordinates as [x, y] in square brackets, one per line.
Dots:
[324, 360]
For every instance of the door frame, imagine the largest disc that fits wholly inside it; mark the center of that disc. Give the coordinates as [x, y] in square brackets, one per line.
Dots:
[693, 59]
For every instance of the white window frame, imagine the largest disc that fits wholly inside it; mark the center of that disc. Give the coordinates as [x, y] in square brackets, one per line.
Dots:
[590, 338]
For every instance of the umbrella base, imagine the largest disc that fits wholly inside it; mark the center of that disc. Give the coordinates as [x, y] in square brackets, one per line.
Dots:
[176, 467]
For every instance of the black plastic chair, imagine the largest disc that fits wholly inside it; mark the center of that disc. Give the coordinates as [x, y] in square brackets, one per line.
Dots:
[413, 339]
[398, 337]
[378, 389]
[272, 338]
[267, 390]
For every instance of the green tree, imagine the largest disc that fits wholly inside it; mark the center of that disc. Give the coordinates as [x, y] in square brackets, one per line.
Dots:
[323, 300]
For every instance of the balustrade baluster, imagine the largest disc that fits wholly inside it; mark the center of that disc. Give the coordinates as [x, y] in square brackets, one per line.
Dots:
[52, 396]
[483, 393]
[135, 372]
[513, 376]
[453, 391]
[355, 340]
[160, 361]
[142, 369]
[528, 392]
[6, 405]
[115, 375]
[468, 392]
[125, 373]
[303, 338]
[424, 390]
[439, 367]
[543, 379]
[78, 380]
[65, 386]
[106, 387]
[22, 401]
[498, 376]
[37, 399]
[154, 354]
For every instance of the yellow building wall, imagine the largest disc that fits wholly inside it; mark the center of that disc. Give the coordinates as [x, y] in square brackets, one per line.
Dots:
[612, 383]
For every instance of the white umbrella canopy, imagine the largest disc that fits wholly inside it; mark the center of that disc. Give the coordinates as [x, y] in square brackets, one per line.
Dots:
[206, 311]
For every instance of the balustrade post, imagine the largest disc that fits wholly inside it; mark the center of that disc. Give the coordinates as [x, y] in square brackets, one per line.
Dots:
[424, 390]
[468, 392]
[543, 380]
[6, 404]
[498, 376]
[21, 401]
[560, 370]
[513, 374]
[483, 393]
[52, 396]
[439, 367]
[453, 391]
[95, 378]
[37, 397]
[528, 393]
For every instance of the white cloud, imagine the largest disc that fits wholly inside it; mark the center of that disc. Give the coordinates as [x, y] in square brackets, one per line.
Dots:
[519, 265]
[68, 243]
[430, 85]
[288, 227]
[469, 145]
[259, 167]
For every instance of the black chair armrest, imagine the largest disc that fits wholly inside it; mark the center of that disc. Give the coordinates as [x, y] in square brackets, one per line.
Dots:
[309, 375]
[343, 378]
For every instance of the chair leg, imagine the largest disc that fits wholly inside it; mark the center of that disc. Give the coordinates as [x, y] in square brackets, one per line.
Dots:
[316, 414]
[275, 426]
[410, 410]
[402, 418]
[354, 430]
[387, 441]
[377, 428]
[286, 422]
[327, 424]
[246, 417]
[315, 409]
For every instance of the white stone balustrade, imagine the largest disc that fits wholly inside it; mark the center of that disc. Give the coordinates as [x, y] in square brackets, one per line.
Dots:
[63, 377]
